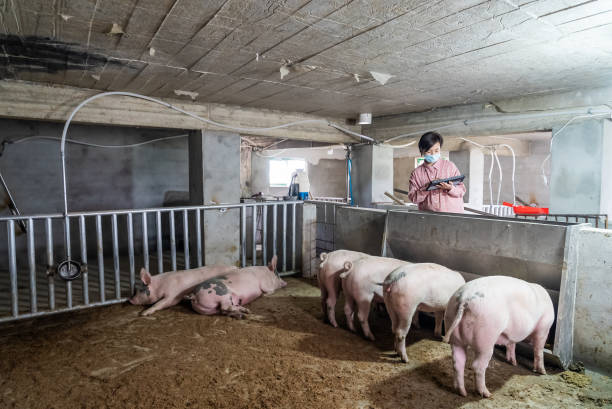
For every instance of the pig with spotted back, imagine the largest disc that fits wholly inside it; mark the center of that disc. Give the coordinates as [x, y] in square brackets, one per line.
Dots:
[496, 310]
[332, 265]
[361, 284]
[168, 289]
[227, 294]
[418, 287]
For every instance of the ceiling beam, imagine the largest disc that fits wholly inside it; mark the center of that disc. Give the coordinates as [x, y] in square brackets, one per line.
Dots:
[25, 100]
[514, 115]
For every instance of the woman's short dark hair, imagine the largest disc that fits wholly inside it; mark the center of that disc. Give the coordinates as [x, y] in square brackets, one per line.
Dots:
[428, 140]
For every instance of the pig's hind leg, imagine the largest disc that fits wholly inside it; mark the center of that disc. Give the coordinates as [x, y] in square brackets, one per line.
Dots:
[459, 358]
[538, 340]
[484, 351]
[349, 311]
[330, 303]
[439, 317]
[401, 331]
[510, 352]
[363, 313]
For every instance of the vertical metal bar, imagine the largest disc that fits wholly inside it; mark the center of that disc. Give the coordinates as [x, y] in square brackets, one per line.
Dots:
[101, 284]
[69, 257]
[50, 262]
[32, 266]
[160, 250]
[116, 257]
[186, 238]
[145, 241]
[254, 229]
[597, 221]
[264, 236]
[12, 267]
[284, 237]
[293, 219]
[274, 230]
[85, 273]
[198, 227]
[243, 210]
[130, 232]
[172, 240]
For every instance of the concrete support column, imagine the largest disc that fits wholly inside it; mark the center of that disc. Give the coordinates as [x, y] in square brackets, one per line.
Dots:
[581, 168]
[372, 174]
[214, 178]
[471, 164]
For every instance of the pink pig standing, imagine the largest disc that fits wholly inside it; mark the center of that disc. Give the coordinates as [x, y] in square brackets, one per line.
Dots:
[228, 293]
[361, 284]
[332, 264]
[166, 290]
[418, 287]
[496, 310]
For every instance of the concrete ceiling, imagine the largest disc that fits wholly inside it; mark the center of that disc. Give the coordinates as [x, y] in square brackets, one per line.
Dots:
[438, 53]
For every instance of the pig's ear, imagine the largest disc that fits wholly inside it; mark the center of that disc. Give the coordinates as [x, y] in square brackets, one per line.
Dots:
[272, 264]
[145, 276]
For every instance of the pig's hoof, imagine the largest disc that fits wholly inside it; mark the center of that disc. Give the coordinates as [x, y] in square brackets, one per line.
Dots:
[462, 392]
[371, 337]
[485, 394]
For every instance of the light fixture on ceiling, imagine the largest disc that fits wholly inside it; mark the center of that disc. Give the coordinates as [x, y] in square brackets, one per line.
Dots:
[365, 119]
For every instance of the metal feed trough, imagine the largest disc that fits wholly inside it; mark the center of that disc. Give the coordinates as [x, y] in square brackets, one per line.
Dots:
[32, 285]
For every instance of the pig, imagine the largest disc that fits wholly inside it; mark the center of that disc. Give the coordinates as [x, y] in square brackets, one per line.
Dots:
[423, 287]
[332, 264]
[496, 310]
[166, 290]
[228, 293]
[361, 284]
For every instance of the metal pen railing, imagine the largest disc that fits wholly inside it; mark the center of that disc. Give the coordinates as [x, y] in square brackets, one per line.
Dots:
[30, 290]
[595, 220]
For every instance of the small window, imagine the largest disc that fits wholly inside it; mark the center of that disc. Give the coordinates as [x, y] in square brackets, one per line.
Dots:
[282, 169]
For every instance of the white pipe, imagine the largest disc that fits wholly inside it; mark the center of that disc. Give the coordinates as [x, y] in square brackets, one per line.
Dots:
[501, 177]
[513, 172]
[95, 145]
[490, 180]
[399, 146]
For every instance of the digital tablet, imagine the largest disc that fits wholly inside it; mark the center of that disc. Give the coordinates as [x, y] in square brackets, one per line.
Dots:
[455, 180]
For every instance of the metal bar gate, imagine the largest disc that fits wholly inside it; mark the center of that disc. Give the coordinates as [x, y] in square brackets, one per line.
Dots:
[29, 286]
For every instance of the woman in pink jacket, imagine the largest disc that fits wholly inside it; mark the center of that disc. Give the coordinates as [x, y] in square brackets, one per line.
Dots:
[448, 197]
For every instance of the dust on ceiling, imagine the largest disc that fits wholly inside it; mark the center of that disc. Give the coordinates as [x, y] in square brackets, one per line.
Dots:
[336, 58]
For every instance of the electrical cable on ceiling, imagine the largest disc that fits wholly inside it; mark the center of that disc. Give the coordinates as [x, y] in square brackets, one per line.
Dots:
[94, 145]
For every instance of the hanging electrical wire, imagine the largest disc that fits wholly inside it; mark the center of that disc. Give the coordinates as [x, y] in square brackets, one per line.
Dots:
[94, 145]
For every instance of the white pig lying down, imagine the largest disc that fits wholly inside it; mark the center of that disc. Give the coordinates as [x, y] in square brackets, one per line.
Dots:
[168, 289]
[496, 310]
[418, 287]
[362, 285]
[332, 265]
[228, 293]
